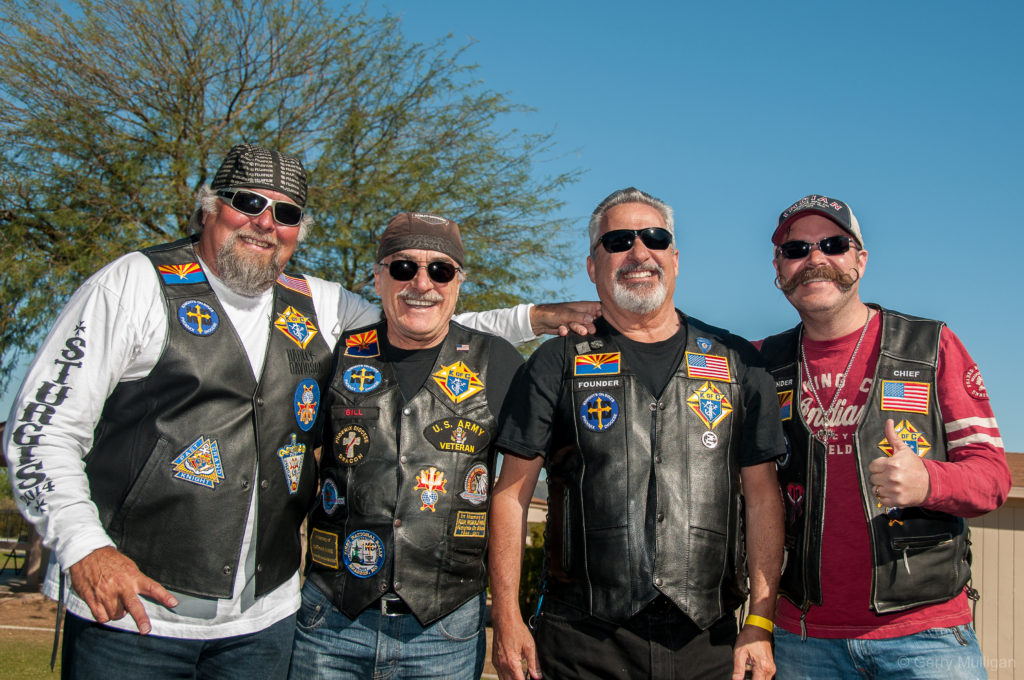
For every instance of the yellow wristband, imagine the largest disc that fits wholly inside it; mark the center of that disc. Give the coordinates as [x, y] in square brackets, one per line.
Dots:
[760, 622]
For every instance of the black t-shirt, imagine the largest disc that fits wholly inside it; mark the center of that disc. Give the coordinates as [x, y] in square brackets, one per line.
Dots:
[526, 426]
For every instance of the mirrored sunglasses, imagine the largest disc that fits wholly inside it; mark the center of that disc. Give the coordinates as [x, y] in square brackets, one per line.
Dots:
[252, 203]
[439, 271]
[621, 240]
[833, 245]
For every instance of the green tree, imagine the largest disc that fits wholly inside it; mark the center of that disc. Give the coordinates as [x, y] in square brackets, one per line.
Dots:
[113, 114]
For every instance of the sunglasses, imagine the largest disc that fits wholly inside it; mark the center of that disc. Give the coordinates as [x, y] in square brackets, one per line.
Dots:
[406, 270]
[833, 245]
[621, 240]
[251, 203]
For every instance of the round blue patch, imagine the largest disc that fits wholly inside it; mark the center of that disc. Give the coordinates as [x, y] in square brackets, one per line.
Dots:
[599, 412]
[363, 554]
[330, 497]
[782, 462]
[307, 403]
[362, 378]
[198, 318]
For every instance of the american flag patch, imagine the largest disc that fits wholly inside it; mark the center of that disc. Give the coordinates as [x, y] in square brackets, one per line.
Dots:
[174, 274]
[462, 347]
[905, 396]
[296, 283]
[707, 366]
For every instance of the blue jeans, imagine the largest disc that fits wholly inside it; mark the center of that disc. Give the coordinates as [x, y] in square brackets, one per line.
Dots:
[939, 653]
[95, 652]
[375, 646]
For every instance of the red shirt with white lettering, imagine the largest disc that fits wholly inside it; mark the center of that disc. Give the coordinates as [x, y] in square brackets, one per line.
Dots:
[974, 481]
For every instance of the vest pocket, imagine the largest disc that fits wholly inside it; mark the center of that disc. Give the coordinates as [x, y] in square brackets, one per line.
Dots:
[927, 566]
[119, 526]
[707, 550]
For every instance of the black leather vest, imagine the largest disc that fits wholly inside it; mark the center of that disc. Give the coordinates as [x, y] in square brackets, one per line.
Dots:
[612, 444]
[404, 494]
[176, 455]
[918, 556]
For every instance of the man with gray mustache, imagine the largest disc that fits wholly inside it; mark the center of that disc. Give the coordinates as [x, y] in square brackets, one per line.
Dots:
[647, 431]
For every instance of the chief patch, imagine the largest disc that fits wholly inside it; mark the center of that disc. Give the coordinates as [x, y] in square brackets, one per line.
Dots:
[470, 525]
[291, 455]
[457, 434]
[973, 383]
[330, 498]
[198, 318]
[597, 364]
[323, 548]
[362, 345]
[307, 401]
[475, 487]
[707, 366]
[363, 553]
[177, 274]
[458, 381]
[351, 443]
[703, 344]
[786, 405]
[431, 481]
[362, 378]
[910, 436]
[200, 463]
[599, 411]
[710, 405]
[905, 396]
[292, 323]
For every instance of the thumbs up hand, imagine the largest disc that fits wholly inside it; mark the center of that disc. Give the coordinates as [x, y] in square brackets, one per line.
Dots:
[900, 480]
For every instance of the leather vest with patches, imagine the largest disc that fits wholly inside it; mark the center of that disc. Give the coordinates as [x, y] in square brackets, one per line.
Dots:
[918, 556]
[612, 444]
[177, 455]
[404, 494]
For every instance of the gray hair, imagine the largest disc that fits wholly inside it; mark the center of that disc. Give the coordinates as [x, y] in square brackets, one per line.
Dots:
[209, 204]
[628, 195]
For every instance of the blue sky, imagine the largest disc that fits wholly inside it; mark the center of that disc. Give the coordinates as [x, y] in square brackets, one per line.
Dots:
[910, 111]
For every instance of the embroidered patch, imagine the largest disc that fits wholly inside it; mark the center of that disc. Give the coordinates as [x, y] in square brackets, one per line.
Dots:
[707, 366]
[470, 525]
[351, 443]
[794, 502]
[431, 481]
[198, 318]
[362, 345]
[476, 485]
[307, 401]
[709, 439]
[292, 323]
[456, 434]
[362, 378]
[596, 384]
[323, 548]
[200, 463]
[710, 405]
[905, 396]
[296, 283]
[599, 411]
[330, 498]
[786, 405]
[458, 381]
[973, 383]
[291, 455]
[598, 364]
[176, 274]
[703, 344]
[910, 436]
[782, 462]
[363, 553]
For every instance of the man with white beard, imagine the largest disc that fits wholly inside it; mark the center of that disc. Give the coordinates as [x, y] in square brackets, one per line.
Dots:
[162, 441]
[647, 431]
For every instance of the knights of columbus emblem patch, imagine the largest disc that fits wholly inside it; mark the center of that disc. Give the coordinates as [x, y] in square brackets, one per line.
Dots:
[910, 436]
[458, 381]
[200, 463]
[296, 326]
[710, 405]
[291, 458]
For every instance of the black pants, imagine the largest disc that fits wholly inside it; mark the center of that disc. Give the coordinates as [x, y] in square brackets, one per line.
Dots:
[659, 643]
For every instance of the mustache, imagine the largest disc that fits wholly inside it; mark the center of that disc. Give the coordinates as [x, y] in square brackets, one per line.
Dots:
[822, 272]
[428, 296]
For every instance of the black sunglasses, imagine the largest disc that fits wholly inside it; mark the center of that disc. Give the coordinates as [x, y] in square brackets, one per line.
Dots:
[621, 240]
[833, 245]
[439, 271]
[251, 203]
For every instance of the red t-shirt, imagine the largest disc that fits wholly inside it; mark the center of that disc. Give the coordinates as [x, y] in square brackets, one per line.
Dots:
[974, 481]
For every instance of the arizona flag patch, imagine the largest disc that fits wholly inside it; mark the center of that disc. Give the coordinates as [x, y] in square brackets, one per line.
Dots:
[174, 274]
[905, 396]
[707, 366]
[362, 345]
[597, 364]
[786, 405]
